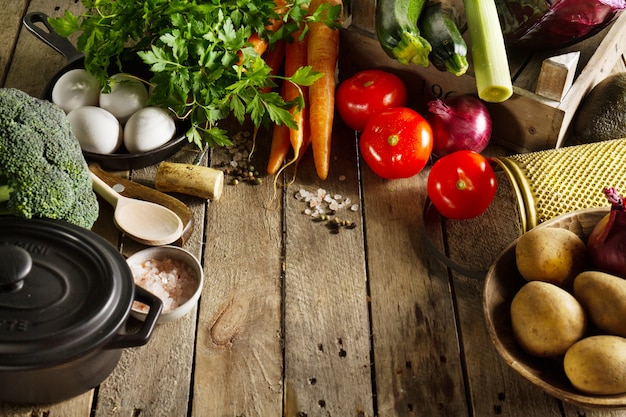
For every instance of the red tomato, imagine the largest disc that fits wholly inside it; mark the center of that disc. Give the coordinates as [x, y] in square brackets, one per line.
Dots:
[462, 184]
[366, 93]
[396, 143]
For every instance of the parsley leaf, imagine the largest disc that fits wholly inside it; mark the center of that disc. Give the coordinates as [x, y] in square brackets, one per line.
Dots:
[200, 63]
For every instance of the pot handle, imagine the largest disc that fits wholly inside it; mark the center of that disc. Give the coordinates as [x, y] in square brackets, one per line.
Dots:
[34, 22]
[142, 336]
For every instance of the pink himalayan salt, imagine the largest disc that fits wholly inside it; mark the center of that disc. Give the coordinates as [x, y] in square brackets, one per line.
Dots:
[169, 279]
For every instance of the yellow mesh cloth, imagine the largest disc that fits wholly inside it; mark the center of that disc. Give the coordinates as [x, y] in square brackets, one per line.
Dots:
[558, 181]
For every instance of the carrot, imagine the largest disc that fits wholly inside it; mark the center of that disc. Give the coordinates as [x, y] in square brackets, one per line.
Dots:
[281, 145]
[281, 8]
[323, 50]
[259, 44]
[295, 58]
[275, 58]
[306, 134]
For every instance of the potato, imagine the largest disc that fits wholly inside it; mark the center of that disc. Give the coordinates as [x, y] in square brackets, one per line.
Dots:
[597, 365]
[550, 254]
[603, 296]
[546, 320]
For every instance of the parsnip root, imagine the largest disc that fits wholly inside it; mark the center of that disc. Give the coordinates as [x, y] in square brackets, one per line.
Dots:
[196, 180]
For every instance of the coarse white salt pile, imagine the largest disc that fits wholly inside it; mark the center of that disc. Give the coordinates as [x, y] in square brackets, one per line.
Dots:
[323, 202]
[169, 279]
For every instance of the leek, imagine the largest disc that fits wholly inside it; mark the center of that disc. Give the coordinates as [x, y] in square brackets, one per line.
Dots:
[491, 65]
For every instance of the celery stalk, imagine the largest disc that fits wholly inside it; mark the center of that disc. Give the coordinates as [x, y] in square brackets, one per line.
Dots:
[491, 65]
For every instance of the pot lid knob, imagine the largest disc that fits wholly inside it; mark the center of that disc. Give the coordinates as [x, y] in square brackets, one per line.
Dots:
[17, 264]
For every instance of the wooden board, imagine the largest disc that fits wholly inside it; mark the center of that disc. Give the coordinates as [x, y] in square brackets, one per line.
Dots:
[525, 122]
[295, 320]
[239, 336]
[327, 351]
[10, 16]
[415, 337]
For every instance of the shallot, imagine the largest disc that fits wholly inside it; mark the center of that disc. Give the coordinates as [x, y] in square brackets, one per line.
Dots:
[607, 242]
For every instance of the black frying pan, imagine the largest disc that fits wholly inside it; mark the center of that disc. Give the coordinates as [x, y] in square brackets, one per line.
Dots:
[37, 24]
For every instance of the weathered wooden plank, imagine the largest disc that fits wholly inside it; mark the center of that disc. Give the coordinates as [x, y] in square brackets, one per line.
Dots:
[557, 75]
[11, 18]
[494, 388]
[133, 367]
[572, 411]
[418, 368]
[16, 56]
[516, 124]
[33, 62]
[81, 405]
[239, 348]
[327, 330]
[156, 378]
[76, 407]
[526, 121]
[363, 13]
[528, 76]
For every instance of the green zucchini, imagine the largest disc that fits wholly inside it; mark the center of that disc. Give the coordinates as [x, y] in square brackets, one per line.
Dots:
[397, 31]
[449, 50]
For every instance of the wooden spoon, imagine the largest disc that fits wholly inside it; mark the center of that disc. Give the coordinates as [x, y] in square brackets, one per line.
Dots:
[132, 189]
[143, 221]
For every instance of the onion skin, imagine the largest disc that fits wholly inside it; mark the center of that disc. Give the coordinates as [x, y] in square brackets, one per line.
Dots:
[607, 242]
[458, 123]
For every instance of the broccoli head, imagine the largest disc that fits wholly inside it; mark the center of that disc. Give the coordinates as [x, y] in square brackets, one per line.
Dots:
[43, 172]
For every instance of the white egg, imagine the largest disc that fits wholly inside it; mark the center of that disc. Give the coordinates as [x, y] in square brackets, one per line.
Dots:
[128, 94]
[147, 129]
[96, 129]
[76, 88]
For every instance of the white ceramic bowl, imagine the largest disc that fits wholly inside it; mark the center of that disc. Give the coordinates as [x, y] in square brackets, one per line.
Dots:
[190, 293]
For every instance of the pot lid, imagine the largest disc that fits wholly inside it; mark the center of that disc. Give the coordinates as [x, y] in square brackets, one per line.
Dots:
[64, 291]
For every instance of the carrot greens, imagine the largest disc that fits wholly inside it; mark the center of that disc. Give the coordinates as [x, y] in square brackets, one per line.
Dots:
[200, 62]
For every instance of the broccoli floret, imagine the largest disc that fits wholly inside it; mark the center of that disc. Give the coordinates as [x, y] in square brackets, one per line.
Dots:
[43, 172]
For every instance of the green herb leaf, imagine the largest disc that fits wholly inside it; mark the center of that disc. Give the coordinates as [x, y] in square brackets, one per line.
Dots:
[200, 63]
[66, 25]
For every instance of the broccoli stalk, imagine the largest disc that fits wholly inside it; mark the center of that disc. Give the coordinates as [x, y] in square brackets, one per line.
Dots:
[42, 170]
[5, 193]
[5, 196]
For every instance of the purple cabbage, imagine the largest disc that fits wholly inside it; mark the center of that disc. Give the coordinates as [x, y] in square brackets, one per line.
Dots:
[547, 24]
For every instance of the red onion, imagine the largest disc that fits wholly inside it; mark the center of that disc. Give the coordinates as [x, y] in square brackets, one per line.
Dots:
[459, 123]
[607, 242]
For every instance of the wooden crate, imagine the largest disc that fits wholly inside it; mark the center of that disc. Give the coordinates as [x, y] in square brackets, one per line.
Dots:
[527, 121]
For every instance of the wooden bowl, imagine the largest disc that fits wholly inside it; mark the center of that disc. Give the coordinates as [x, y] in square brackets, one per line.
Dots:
[501, 284]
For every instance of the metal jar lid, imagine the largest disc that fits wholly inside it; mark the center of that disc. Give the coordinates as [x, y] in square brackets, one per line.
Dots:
[64, 292]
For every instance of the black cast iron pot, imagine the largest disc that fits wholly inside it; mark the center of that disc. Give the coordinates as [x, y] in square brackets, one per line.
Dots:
[37, 24]
[65, 298]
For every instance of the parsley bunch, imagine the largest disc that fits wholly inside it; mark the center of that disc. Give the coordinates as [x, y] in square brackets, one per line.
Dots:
[201, 65]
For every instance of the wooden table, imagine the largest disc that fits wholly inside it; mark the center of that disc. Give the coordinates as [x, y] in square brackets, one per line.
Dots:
[296, 320]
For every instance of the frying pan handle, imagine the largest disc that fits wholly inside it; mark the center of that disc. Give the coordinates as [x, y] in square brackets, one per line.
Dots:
[37, 24]
[142, 336]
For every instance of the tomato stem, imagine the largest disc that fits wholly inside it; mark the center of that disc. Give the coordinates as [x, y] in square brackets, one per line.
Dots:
[460, 185]
[393, 140]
